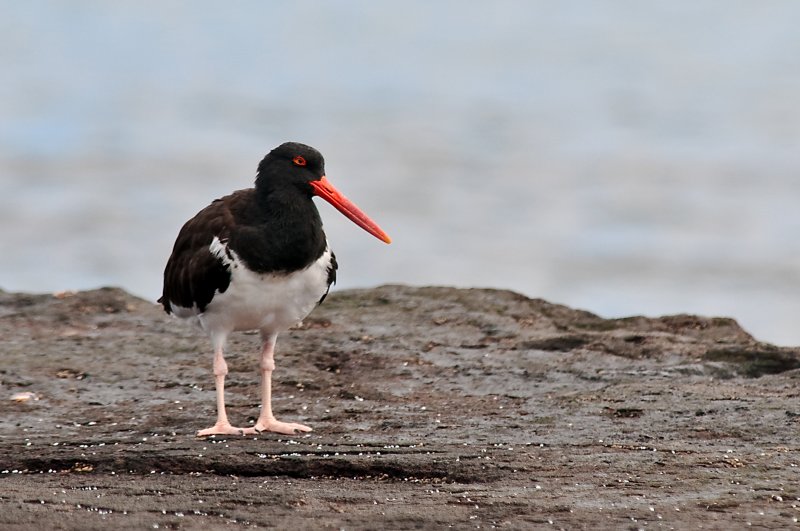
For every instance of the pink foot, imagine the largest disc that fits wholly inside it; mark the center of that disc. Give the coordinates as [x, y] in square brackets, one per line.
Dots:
[287, 428]
[221, 428]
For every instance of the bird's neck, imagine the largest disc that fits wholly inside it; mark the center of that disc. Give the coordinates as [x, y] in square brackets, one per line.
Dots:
[289, 207]
[288, 235]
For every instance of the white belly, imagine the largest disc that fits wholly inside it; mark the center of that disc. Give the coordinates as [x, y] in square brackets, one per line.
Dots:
[267, 302]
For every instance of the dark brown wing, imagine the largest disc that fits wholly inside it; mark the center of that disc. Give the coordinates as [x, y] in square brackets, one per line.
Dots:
[193, 275]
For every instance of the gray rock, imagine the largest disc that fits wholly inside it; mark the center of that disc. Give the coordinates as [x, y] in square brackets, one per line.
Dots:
[432, 407]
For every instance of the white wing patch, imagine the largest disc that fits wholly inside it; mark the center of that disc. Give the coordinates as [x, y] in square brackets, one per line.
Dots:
[220, 250]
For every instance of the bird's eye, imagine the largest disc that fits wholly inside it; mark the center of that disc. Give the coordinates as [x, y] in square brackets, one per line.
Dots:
[299, 161]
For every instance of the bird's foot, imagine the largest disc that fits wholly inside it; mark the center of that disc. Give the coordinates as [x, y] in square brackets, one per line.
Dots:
[221, 428]
[286, 428]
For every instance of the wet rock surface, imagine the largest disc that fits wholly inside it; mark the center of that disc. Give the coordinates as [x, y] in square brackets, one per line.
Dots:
[431, 407]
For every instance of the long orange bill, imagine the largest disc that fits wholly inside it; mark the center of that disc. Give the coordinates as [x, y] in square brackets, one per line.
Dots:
[326, 191]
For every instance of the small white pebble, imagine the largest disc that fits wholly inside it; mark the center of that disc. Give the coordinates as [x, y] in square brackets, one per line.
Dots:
[24, 396]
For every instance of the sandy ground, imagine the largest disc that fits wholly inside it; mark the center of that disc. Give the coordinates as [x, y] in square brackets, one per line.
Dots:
[432, 408]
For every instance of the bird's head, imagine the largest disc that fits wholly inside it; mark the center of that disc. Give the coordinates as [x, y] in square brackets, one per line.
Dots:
[295, 165]
[291, 163]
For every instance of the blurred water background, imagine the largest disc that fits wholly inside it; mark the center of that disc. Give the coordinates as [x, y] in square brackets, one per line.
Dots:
[619, 156]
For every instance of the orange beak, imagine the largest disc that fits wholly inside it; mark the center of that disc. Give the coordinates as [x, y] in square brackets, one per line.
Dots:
[324, 189]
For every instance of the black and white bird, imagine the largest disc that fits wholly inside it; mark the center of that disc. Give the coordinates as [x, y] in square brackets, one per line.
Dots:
[258, 259]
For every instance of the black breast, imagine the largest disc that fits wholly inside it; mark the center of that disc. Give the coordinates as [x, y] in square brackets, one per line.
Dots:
[270, 235]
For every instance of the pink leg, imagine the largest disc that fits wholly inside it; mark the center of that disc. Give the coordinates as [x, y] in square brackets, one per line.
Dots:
[222, 427]
[266, 420]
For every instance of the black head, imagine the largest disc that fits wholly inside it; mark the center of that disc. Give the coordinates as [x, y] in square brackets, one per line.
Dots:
[290, 164]
[293, 167]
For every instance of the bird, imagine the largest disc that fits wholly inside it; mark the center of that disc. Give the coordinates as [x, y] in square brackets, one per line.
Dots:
[258, 259]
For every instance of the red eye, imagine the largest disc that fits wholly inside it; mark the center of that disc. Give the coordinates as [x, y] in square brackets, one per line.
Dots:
[299, 161]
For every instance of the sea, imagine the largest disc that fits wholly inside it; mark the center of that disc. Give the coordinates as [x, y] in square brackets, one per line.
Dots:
[623, 157]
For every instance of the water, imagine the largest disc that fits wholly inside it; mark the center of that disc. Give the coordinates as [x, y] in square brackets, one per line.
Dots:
[622, 157]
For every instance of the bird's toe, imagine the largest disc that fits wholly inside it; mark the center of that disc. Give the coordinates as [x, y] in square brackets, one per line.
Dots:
[276, 426]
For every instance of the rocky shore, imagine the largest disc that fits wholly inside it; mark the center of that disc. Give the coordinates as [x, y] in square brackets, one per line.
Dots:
[431, 408]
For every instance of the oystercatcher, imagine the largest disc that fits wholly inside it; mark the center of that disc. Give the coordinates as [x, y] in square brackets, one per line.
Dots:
[258, 259]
